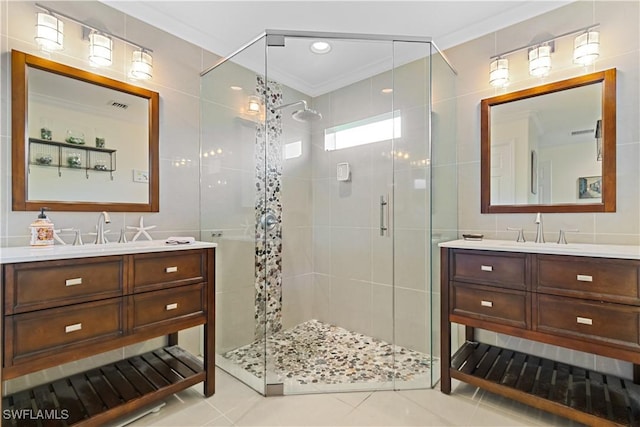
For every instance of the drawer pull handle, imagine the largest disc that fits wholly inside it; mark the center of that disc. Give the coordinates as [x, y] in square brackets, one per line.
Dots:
[584, 278]
[486, 303]
[486, 267]
[171, 269]
[71, 328]
[171, 306]
[73, 282]
[584, 320]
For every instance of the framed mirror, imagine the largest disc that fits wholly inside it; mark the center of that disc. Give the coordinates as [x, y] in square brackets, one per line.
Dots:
[550, 148]
[81, 141]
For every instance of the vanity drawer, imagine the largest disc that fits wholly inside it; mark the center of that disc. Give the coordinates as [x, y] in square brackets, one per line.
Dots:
[587, 320]
[507, 307]
[157, 270]
[45, 331]
[47, 284]
[591, 278]
[168, 305]
[492, 268]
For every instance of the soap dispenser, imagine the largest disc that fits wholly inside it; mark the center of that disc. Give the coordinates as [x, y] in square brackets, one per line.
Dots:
[41, 230]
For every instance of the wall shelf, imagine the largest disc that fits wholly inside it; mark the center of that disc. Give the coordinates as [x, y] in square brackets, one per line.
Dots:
[63, 155]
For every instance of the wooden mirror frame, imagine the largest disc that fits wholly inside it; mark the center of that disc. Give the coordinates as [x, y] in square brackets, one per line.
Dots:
[20, 62]
[608, 201]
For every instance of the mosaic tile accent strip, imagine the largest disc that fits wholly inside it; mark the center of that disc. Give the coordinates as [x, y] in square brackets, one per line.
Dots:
[268, 256]
[314, 352]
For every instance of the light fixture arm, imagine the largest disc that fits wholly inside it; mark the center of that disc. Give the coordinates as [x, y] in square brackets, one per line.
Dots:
[549, 40]
[91, 28]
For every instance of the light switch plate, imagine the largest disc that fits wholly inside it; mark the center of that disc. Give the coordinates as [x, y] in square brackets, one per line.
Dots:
[140, 176]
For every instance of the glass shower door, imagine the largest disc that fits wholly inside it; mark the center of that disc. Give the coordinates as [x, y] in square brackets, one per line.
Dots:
[333, 152]
[233, 197]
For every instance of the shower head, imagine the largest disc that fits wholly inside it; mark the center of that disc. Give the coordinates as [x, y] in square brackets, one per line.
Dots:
[304, 115]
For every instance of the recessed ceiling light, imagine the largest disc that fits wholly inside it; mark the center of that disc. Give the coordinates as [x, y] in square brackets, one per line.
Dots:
[386, 90]
[235, 88]
[320, 47]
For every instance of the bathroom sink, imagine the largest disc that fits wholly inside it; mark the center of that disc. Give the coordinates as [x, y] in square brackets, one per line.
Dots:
[577, 249]
[30, 253]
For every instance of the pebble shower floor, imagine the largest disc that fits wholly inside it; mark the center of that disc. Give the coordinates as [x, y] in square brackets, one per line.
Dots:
[314, 352]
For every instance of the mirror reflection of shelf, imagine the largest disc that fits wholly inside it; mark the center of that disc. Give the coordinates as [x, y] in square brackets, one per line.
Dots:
[47, 153]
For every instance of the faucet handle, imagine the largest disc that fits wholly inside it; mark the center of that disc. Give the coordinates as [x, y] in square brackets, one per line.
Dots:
[78, 240]
[520, 233]
[562, 239]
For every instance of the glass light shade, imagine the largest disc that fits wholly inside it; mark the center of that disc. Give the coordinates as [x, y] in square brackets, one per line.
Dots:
[49, 32]
[540, 61]
[141, 65]
[586, 48]
[499, 72]
[100, 49]
[254, 104]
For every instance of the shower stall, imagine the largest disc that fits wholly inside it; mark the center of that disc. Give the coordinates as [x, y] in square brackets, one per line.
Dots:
[327, 181]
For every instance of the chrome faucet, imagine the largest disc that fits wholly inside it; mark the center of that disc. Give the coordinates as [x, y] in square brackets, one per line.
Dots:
[102, 219]
[539, 230]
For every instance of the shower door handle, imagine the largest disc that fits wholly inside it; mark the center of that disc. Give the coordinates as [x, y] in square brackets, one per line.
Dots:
[384, 217]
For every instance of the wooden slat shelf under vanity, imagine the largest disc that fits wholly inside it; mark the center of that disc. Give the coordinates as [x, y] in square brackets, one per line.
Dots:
[94, 396]
[545, 383]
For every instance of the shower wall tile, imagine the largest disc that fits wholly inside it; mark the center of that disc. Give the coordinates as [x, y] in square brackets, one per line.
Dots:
[351, 304]
[297, 254]
[226, 140]
[411, 196]
[297, 300]
[410, 258]
[412, 326]
[382, 309]
[237, 310]
[296, 201]
[227, 198]
[381, 256]
[348, 199]
[411, 82]
[235, 264]
[321, 309]
[321, 200]
[322, 250]
[351, 253]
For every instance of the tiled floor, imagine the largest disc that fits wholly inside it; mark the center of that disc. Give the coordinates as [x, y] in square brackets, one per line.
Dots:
[235, 404]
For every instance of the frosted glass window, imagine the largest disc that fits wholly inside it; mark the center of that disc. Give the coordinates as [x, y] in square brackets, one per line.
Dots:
[372, 129]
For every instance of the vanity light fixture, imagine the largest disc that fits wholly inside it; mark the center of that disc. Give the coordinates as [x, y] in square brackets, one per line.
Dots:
[49, 36]
[499, 72]
[540, 60]
[586, 51]
[100, 49]
[586, 47]
[320, 47]
[141, 65]
[49, 31]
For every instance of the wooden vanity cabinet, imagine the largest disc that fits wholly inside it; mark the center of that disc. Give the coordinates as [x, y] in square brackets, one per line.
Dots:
[65, 310]
[584, 303]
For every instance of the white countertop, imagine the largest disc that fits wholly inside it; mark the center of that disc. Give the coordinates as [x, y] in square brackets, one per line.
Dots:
[577, 249]
[30, 253]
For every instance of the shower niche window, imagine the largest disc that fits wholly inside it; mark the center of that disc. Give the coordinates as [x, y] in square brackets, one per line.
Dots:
[311, 295]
